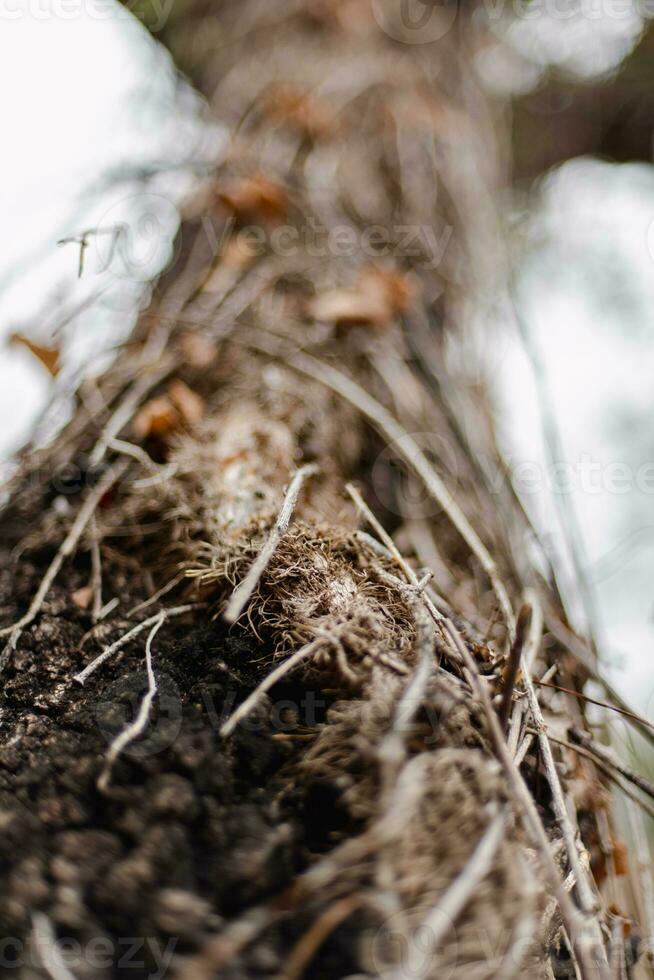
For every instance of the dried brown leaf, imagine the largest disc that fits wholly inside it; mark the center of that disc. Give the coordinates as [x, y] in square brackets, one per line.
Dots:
[48, 356]
[255, 198]
[374, 299]
[83, 597]
[187, 402]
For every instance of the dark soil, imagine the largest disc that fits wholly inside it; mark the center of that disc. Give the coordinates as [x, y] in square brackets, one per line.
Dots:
[192, 830]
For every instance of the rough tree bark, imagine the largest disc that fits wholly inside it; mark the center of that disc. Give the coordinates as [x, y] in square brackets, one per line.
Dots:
[240, 721]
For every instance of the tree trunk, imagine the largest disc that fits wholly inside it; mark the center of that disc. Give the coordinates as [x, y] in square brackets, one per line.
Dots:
[245, 732]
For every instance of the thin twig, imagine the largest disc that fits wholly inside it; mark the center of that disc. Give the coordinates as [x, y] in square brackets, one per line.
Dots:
[584, 929]
[164, 590]
[139, 724]
[392, 751]
[244, 590]
[66, 549]
[393, 550]
[83, 676]
[587, 899]
[311, 941]
[608, 771]
[585, 657]
[273, 677]
[45, 940]
[625, 712]
[513, 663]
[128, 407]
[611, 759]
[520, 751]
[391, 429]
[96, 572]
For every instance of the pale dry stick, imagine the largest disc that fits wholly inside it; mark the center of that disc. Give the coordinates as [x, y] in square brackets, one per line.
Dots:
[612, 760]
[391, 547]
[440, 920]
[164, 590]
[108, 607]
[273, 677]
[163, 474]
[83, 675]
[139, 724]
[392, 751]
[513, 663]
[45, 940]
[159, 473]
[585, 657]
[394, 552]
[66, 549]
[96, 572]
[646, 879]
[523, 748]
[422, 540]
[616, 948]
[422, 587]
[608, 771]
[134, 451]
[242, 593]
[388, 426]
[587, 898]
[520, 751]
[629, 715]
[584, 930]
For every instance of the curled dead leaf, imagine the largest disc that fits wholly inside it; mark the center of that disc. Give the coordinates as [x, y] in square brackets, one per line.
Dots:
[187, 402]
[288, 104]
[48, 356]
[165, 414]
[255, 198]
[82, 597]
[374, 299]
[157, 417]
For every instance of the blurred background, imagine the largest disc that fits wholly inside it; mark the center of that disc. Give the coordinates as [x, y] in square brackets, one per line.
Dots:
[102, 139]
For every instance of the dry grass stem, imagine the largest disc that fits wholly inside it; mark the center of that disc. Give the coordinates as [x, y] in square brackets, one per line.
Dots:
[138, 726]
[243, 592]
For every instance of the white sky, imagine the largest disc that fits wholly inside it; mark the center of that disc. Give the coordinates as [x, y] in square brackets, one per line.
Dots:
[87, 100]
[587, 293]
